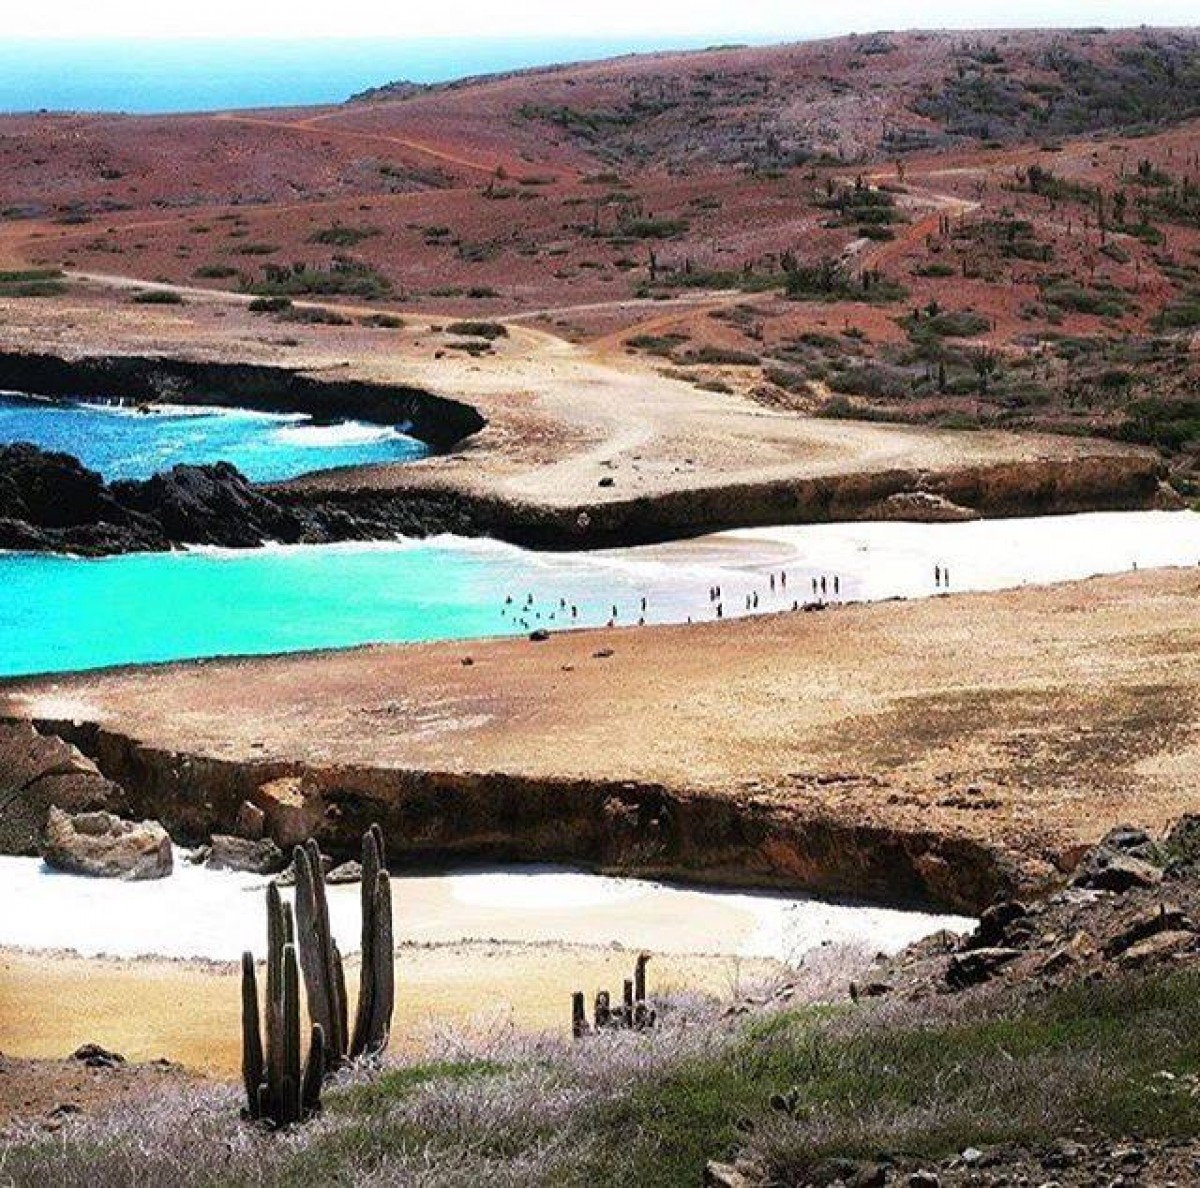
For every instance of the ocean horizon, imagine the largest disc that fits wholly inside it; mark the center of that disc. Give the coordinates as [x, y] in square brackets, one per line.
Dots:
[196, 75]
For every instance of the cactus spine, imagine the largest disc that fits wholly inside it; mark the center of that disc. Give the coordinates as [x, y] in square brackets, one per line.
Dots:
[280, 1088]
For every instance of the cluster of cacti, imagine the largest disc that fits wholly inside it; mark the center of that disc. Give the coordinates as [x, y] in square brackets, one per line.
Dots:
[633, 1011]
[276, 1090]
[280, 1088]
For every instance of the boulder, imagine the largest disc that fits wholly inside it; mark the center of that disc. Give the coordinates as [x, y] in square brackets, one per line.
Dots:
[1006, 923]
[38, 770]
[1163, 946]
[978, 965]
[104, 846]
[1165, 917]
[347, 872]
[294, 809]
[251, 821]
[261, 857]
[1110, 870]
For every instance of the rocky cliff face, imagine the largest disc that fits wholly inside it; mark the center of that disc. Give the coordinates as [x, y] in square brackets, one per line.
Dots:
[637, 829]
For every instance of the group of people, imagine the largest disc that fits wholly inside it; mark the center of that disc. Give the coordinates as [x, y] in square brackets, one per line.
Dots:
[528, 615]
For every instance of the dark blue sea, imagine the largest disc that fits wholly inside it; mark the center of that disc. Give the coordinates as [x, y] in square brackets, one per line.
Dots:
[214, 75]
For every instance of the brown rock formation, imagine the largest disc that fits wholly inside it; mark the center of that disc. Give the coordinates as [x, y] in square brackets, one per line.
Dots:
[103, 846]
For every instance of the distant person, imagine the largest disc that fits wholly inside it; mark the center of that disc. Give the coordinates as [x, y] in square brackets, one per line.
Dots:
[837, 585]
[937, 576]
[824, 586]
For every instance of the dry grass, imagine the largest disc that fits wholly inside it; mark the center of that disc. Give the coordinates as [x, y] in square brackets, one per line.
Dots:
[502, 1109]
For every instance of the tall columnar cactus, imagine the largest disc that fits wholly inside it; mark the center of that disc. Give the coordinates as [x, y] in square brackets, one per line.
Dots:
[280, 1088]
[324, 979]
[377, 989]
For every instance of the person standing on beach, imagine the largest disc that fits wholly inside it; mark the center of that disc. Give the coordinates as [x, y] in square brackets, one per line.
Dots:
[837, 585]
[937, 576]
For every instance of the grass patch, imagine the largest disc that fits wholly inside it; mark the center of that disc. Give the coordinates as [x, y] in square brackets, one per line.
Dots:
[488, 330]
[32, 282]
[340, 235]
[158, 297]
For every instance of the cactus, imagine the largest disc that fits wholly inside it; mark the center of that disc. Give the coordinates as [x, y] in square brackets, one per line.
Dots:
[324, 981]
[376, 991]
[634, 1011]
[280, 1088]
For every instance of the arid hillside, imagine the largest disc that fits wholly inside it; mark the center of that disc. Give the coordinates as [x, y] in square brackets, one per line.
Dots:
[985, 229]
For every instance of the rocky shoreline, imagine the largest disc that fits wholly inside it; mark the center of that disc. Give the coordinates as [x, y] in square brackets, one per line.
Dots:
[615, 827]
[50, 503]
[142, 379]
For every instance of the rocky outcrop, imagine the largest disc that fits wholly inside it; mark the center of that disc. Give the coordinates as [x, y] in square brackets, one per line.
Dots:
[436, 420]
[634, 828]
[37, 771]
[51, 501]
[102, 845]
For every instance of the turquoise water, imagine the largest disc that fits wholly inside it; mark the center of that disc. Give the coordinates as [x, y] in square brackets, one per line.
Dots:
[60, 613]
[214, 74]
[124, 443]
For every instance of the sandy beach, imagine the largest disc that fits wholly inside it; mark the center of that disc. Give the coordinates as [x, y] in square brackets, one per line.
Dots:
[189, 1012]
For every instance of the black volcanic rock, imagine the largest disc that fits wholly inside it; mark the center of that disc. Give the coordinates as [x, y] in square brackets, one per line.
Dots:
[215, 505]
[51, 502]
[52, 490]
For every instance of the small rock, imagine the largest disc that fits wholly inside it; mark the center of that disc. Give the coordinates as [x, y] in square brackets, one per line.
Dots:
[978, 965]
[540, 635]
[924, 1179]
[467, 662]
[971, 1156]
[64, 1109]
[261, 857]
[1160, 947]
[607, 481]
[347, 872]
[724, 1175]
[94, 1056]
[103, 846]
[602, 654]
